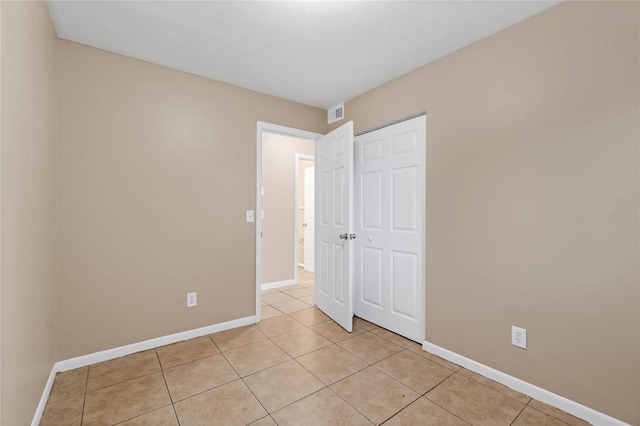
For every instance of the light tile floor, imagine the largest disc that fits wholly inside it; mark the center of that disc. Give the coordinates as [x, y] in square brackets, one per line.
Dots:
[296, 367]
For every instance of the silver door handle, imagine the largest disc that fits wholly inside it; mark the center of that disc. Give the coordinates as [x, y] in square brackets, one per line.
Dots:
[304, 224]
[344, 236]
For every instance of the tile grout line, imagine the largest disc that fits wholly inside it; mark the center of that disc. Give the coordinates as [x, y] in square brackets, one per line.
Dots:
[519, 413]
[86, 389]
[495, 390]
[444, 408]
[468, 378]
[247, 386]
[123, 381]
[167, 386]
[347, 402]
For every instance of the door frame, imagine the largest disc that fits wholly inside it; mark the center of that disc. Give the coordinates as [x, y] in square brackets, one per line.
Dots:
[296, 260]
[285, 131]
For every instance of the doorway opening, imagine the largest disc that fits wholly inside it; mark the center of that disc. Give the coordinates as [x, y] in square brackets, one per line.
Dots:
[284, 158]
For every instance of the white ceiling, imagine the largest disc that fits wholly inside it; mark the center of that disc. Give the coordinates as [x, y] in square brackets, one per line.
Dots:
[317, 53]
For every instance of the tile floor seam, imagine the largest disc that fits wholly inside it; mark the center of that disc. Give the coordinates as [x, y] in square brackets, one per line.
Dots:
[362, 334]
[372, 422]
[165, 381]
[247, 386]
[175, 413]
[187, 362]
[173, 407]
[214, 342]
[204, 391]
[306, 353]
[369, 366]
[140, 415]
[407, 386]
[388, 340]
[345, 377]
[286, 332]
[347, 402]
[519, 413]
[297, 400]
[263, 417]
[247, 344]
[438, 384]
[550, 415]
[444, 408]
[256, 397]
[501, 393]
[84, 399]
[309, 371]
[123, 381]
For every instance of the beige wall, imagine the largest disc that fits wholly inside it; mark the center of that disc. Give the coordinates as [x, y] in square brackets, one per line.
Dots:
[28, 206]
[278, 227]
[532, 135]
[303, 165]
[156, 168]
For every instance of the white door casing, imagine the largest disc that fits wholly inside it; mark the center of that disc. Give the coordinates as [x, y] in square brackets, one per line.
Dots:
[334, 214]
[309, 228]
[389, 219]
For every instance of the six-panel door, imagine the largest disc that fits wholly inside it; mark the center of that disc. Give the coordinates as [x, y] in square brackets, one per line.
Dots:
[389, 222]
[333, 222]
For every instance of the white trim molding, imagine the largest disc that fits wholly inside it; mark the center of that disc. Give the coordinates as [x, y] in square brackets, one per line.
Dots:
[581, 411]
[278, 284]
[44, 398]
[296, 261]
[106, 355]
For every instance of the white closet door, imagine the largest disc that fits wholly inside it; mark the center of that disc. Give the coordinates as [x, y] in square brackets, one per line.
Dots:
[389, 175]
[334, 223]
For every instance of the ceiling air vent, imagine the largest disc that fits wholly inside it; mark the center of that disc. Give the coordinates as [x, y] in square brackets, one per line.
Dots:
[336, 113]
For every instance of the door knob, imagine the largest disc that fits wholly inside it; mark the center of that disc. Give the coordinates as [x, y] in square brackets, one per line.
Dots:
[344, 236]
[304, 224]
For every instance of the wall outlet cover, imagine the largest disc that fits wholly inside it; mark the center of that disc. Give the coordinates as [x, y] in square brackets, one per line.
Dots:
[192, 299]
[519, 337]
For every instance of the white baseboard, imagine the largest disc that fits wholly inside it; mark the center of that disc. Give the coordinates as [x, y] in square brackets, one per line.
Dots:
[277, 284]
[84, 360]
[43, 400]
[581, 411]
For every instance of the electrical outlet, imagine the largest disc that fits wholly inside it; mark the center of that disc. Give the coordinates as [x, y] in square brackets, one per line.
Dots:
[519, 337]
[192, 299]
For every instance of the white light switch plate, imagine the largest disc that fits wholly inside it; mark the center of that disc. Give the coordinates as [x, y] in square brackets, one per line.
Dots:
[250, 216]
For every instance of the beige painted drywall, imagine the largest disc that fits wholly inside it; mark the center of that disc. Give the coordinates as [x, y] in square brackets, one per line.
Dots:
[28, 227]
[532, 139]
[156, 168]
[302, 166]
[278, 227]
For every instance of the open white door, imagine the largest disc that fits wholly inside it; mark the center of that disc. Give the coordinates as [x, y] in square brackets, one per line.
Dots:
[333, 246]
[309, 212]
